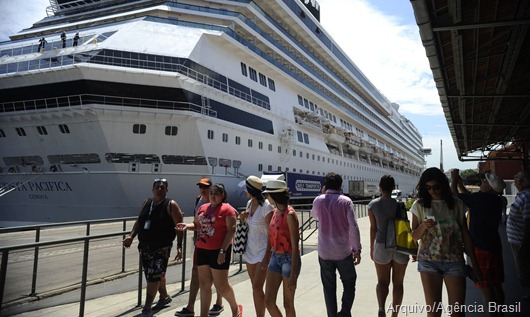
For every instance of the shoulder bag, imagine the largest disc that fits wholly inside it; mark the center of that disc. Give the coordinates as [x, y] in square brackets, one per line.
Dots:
[404, 242]
[240, 238]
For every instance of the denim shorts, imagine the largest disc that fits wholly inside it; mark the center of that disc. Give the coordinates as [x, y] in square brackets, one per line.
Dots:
[281, 263]
[442, 268]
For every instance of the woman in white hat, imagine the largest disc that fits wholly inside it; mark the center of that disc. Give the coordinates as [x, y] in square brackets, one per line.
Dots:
[258, 217]
[285, 262]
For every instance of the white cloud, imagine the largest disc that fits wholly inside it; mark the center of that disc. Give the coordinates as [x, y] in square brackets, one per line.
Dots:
[387, 51]
[18, 15]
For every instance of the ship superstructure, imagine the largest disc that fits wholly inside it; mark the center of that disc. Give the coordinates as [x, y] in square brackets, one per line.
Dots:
[183, 90]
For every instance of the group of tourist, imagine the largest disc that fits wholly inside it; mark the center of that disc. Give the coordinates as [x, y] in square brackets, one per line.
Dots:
[272, 254]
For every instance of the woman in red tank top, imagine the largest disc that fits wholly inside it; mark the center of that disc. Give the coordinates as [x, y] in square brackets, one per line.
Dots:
[285, 262]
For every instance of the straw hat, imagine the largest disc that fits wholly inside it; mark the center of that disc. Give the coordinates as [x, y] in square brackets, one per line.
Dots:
[275, 186]
[254, 182]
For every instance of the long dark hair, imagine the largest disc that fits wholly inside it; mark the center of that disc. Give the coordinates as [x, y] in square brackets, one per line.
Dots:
[434, 174]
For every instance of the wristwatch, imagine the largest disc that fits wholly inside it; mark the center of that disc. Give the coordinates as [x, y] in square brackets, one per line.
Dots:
[221, 251]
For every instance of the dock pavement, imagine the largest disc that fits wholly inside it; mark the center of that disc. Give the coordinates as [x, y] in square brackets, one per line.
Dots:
[309, 296]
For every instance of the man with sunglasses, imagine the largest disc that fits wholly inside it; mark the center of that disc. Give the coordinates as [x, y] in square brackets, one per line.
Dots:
[156, 230]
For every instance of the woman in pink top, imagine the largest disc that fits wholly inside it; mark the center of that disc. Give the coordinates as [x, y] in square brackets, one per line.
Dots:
[285, 261]
[216, 224]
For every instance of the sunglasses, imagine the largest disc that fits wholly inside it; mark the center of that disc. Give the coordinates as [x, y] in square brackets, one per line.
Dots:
[433, 187]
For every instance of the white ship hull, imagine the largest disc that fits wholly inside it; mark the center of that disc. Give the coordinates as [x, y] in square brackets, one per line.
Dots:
[85, 130]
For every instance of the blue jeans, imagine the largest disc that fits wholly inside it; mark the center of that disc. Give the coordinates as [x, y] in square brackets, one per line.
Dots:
[348, 276]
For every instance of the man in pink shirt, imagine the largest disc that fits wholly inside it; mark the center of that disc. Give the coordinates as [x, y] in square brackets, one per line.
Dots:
[339, 244]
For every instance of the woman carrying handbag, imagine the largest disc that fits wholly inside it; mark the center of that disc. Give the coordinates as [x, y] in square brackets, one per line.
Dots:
[257, 216]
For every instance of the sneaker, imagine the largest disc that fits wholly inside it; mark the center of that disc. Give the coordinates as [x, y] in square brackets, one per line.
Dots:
[162, 303]
[216, 310]
[184, 312]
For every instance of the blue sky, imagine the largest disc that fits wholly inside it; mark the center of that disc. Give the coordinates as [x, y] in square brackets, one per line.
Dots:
[380, 36]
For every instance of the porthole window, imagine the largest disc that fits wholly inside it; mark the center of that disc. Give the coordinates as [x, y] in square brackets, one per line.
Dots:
[64, 129]
[21, 131]
[244, 69]
[139, 128]
[171, 130]
[42, 130]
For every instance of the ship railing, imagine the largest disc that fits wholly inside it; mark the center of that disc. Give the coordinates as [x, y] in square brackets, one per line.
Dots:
[89, 99]
[90, 57]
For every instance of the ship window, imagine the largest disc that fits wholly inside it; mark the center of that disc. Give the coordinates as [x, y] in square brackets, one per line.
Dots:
[269, 168]
[287, 169]
[64, 128]
[24, 160]
[272, 85]
[260, 145]
[249, 143]
[244, 69]
[301, 153]
[300, 101]
[89, 158]
[306, 103]
[2, 133]
[306, 138]
[139, 128]
[130, 158]
[253, 74]
[260, 167]
[42, 130]
[21, 131]
[210, 134]
[270, 147]
[311, 106]
[294, 152]
[279, 149]
[313, 157]
[262, 80]
[307, 156]
[184, 160]
[225, 137]
[300, 136]
[171, 130]
[238, 140]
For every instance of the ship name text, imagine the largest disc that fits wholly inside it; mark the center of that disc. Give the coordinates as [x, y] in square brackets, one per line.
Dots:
[43, 186]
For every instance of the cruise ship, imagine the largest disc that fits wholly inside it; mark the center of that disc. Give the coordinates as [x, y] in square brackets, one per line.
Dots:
[101, 97]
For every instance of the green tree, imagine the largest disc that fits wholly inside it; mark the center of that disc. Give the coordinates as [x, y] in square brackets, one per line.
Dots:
[471, 177]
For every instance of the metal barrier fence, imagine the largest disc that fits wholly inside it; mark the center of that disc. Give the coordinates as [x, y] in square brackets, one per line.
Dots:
[128, 265]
